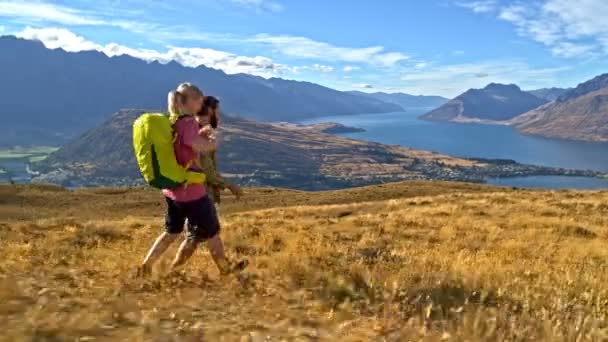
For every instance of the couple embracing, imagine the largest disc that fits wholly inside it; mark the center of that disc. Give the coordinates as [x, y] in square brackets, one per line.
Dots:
[194, 118]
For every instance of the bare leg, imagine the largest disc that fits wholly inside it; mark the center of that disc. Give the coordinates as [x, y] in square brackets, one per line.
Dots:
[185, 251]
[216, 248]
[160, 246]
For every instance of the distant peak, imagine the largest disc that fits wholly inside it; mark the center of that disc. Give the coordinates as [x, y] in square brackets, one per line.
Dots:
[500, 86]
[21, 40]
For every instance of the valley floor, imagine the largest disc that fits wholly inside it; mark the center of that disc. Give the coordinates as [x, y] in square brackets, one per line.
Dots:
[398, 262]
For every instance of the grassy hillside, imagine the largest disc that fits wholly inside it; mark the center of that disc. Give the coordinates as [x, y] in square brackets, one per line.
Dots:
[409, 261]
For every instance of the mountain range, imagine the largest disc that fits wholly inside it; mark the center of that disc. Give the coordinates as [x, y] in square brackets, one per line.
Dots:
[495, 102]
[49, 96]
[406, 101]
[579, 114]
[549, 94]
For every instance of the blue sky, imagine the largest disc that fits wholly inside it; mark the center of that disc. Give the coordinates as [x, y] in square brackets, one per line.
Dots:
[432, 47]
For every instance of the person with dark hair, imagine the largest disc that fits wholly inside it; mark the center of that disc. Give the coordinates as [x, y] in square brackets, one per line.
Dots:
[208, 120]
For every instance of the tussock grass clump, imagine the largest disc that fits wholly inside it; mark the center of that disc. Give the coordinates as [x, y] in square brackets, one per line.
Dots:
[91, 236]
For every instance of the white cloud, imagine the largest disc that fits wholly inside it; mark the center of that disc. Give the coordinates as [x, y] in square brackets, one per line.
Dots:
[363, 86]
[2, 29]
[451, 80]
[421, 65]
[570, 50]
[37, 13]
[303, 47]
[569, 29]
[515, 14]
[482, 6]
[528, 23]
[41, 12]
[192, 57]
[315, 67]
[260, 5]
[350, 68]
[581, 18]
[54, 38]
[322, 68]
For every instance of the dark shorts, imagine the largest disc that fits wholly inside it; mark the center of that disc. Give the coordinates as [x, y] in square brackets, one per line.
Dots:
[202, 218]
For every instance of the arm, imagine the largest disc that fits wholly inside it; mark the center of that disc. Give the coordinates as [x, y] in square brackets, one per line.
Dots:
[213, 177]
[202, 145]
[190, 137]
[234, 189]
[219, 181]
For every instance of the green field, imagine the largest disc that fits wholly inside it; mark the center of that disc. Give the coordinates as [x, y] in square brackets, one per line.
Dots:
[32, 154]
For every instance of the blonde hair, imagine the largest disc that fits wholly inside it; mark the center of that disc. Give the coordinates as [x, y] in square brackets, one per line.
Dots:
[178, 97]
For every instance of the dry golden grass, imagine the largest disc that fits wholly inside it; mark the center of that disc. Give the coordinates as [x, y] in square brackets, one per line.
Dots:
[400, 262]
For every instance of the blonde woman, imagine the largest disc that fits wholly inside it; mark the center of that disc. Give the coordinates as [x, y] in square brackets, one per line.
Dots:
[189, 202]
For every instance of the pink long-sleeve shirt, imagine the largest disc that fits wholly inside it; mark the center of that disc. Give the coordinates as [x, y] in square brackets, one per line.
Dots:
[186, 131]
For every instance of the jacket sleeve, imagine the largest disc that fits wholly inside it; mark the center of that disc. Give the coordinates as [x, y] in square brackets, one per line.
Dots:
[213, 176]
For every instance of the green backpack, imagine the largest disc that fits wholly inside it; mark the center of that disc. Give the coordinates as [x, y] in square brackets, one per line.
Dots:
[153, 144]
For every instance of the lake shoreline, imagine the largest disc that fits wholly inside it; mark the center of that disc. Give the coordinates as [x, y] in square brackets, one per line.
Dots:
[521, 155]
[491, 169]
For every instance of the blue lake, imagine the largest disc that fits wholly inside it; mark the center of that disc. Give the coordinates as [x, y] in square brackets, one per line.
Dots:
[483, 141]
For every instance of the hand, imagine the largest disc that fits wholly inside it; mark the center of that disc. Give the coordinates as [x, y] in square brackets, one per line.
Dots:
[208, 132]
[235, 190]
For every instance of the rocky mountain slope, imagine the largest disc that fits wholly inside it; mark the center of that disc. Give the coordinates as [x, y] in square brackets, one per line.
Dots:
[549, 94]
[579, 114]
[495, 102]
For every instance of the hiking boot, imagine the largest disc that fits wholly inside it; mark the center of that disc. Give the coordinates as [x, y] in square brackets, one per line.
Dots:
[229, 267]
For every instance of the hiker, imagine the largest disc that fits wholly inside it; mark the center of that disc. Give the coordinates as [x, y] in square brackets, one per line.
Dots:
[208, 120]
[189, 201]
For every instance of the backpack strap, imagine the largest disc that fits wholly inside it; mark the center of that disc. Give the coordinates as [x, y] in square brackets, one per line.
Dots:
[173, 126]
